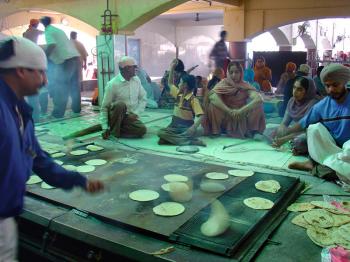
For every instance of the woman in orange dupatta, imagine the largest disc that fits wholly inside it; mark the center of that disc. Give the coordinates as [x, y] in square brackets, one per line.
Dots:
[234, 107]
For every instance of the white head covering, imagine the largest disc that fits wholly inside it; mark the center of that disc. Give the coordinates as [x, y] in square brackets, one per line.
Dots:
[26, 54]
[304, 68]
[336, 72]
[127, 61]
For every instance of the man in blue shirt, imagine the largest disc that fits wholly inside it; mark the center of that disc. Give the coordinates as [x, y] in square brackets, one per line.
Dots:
[328, 125]
[22, 73]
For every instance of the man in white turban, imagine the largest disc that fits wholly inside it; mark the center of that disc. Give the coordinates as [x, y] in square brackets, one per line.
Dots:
[328, 126]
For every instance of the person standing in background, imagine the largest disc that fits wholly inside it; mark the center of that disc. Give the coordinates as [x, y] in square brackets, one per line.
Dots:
[82, 51]
[219, 53]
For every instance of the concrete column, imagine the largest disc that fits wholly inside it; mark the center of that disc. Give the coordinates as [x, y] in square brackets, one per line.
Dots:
[238, 50]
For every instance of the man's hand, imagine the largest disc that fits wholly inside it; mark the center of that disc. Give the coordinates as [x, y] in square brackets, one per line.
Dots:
[277, 142]
[237, 113]
[94, 186]
[281, 131]
[106, 134]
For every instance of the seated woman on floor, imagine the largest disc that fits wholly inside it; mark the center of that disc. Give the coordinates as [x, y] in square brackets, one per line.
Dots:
[182, 128]
[234, 107]
[304, 97]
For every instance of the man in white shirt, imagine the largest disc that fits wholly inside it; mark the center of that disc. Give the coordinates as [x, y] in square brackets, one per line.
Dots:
[64, 69]
[123, 101]
[82, 51]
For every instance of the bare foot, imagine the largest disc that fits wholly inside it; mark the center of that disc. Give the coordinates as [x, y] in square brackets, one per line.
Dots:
[304, 166]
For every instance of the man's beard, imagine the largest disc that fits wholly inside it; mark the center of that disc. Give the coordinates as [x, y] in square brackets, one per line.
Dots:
[338, 96]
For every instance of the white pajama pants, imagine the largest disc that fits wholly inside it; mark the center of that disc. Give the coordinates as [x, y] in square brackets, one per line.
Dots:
[324, 150]
[8, 240]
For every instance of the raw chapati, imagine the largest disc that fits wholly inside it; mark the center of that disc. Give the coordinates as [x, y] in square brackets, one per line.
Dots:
[180, 192]
[59, 162]
[46, 186]
[79, 152]
[300, 207]
[299, 220]
[59, 154]
[270, 186]
[319, 218]
[166, 186]
[212, 187]
[143, 195]
[169, 209]
[34, 179]
[70, 167]
[126, 160]
[218, 222]
[85, 169]
[175, 178]
[94, 148]
[188, 149]
[320, 236]
[243, 173]
[96, 162]
[258, 203]
[216, 176]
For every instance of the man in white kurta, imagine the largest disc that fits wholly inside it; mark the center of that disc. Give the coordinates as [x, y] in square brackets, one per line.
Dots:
[124, 100]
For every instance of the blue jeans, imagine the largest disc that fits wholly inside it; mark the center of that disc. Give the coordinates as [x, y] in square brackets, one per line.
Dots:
[64, 81]
[39, 104]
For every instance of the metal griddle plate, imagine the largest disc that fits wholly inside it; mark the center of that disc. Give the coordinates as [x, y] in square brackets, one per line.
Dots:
[114, 204]
[247, 225]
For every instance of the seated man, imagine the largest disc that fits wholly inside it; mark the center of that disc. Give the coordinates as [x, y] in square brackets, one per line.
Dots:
[123, 100]
[182, 129]
[233, 107]
[328, 126]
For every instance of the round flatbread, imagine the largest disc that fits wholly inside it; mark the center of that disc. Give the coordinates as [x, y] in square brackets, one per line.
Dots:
[300, 207]
[46, 186]
[320, 236]
[216, 176]
[270, 186]
[319, 218]
[212, 187]
[344, 231]
[85, 169]
[323, 204]
[94, 148]
[59, 154]
[34, 179]
[258, 203]
[169, 209]
[175, 178]
[188, 149]
[340, 220]
[79, 152]
[340, 240]
[70, 167]
[299, 220]
[143, 195]
[242, 173]
[96, 162]
[59, 162]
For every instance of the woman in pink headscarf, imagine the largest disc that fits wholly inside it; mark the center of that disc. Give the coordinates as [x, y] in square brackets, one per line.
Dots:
[288, 74]
[233, 107]
[304, 97]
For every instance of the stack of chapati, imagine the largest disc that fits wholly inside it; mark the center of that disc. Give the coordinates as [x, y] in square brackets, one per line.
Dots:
[327, 225]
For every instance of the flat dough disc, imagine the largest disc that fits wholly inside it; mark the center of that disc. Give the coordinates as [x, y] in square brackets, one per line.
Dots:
[175, 178]
[59, 154]
[188, 149]
[300, 207]
[168, 209]
[243, 173]
[126, 160]
[79, 152]
[85, 169]
[270, 186]
[216, 175]
[258, 203]
[46, 186]
[319, 218]
[94, 148]
[320, 236]
[212, 187]
[34, 179]
[70, 167]
[96, 162]
[143, 195]
[59, 162]
[166, 187]
[299, 220]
